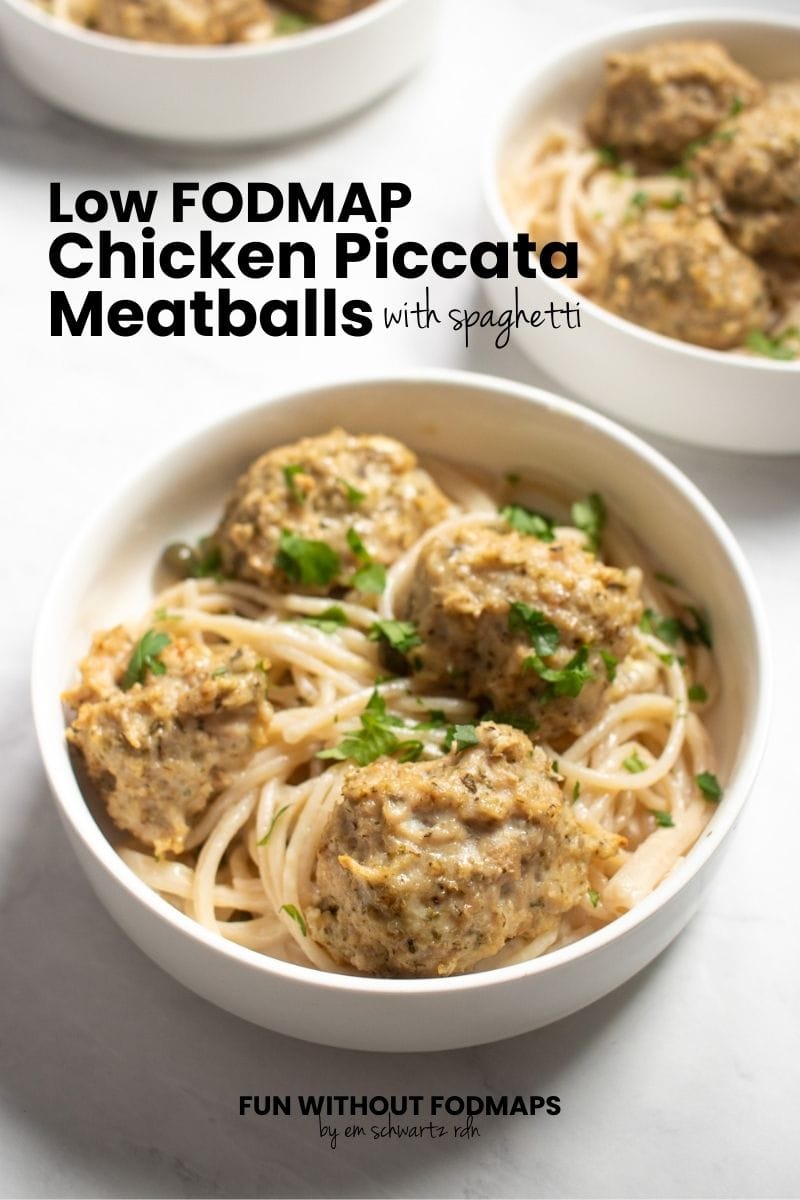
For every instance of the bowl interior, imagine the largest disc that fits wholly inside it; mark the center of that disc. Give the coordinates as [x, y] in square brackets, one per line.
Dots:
[108, 573]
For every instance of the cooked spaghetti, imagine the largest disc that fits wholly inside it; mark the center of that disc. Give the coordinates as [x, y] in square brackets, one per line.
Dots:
[299, 681]
[682, 190]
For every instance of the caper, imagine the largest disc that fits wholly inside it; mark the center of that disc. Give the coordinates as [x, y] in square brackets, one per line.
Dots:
[180, 558]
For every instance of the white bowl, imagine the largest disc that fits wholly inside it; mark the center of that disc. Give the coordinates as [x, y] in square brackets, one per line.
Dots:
[210, 94]
[106, 575]
[728, 400]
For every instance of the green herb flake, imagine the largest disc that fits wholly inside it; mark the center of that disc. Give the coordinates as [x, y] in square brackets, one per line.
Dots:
[354, 496]
[305, 561]
[409, 751]
[161, 614]
[634, 764]
[637, 204]
[297, 917]
[529, 522]
[207, 561]
[576, 790]
[594, 897]
[698, 694]
[543, 635]
[400, 635]
[710, 786]
[357, 546]
[462, 736]
[287, 23]
[784, 346]
[610, 662]
[674, 201]
[289, 473]
[590, 516]
[566, 681]
[145, 658]
[370, 579]
[737, 104]
[667, 659]
[329, 620]
[607, 156]
[435, 719]
[673, 629]
[219, 672]
[669, 580]
[272, 824]
[663, 819]
[375, 739]
[681, 171]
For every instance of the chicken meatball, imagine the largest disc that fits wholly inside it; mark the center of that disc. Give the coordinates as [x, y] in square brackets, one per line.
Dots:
[658, 99]
[187, 22]
[160, 748]
[677, 274]
[753, 170]
[500, 614]
[363, 497]
[427, 868]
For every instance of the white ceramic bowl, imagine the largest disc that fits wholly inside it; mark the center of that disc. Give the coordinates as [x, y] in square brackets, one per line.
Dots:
[211, 94]
[731, 401]
[107, 574]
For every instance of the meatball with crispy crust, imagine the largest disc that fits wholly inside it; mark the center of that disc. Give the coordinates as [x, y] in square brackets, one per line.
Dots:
[486, 603]
[677, 274]
[338, 489]
[160, 750]
[752, 173]
[427, 868]
[658, 99]
[186, 22]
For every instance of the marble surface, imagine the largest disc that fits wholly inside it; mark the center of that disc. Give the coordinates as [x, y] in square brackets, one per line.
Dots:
[114, 1080]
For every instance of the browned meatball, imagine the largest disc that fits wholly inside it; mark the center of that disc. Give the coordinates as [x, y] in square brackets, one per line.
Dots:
[465, 599]
[677, 273]
[427, 868]
[658, 99]
[753, 169]
[160, 750]
[320, 488]
[190, 22]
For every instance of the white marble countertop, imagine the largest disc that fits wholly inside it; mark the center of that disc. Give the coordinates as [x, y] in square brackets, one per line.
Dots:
[114, 1080]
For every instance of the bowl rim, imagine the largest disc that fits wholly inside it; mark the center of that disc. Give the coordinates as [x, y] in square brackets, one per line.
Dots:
[77, 816]
[316, 35]
[511, 112]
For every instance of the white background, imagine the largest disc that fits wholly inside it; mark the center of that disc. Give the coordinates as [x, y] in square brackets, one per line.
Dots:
[114, 1080]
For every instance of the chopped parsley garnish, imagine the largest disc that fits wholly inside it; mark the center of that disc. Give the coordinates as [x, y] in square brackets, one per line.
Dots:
[673, 629]
[594, 897]
[297, 917]
[667, 659]
[462, 736]
[294, 491]
[589, 516]
[409, 751]
[543, 635]
[529, 522]
[634, 764]
[370, 576]
[709, 785]
[736, 106]
[637, 204]
[784, 346]
[610, 662]
[145, 658]
[207, 561]
[607, 156]
[566, 681]
[681, 171]
[718, 135]
[664, 819]
[161, 614]
[374, 739]
[272, 824]
[306, 561]
[435, 720]
[329, 620]
[698, 694]
[286, 23]
[354, 496]
[220, 671]
[400, 635]
[674, 201]
[576, 790]
[515, 720]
